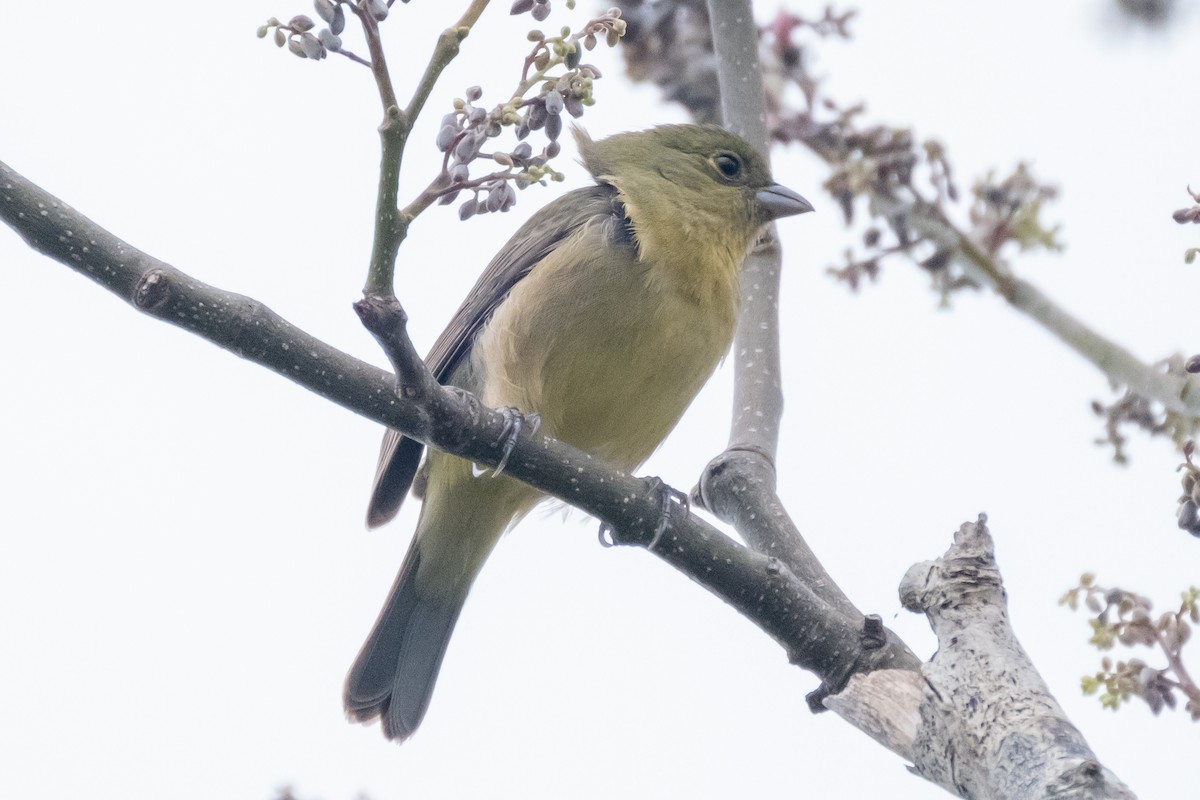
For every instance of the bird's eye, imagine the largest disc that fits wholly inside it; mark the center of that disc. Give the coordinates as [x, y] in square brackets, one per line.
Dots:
[728, 165]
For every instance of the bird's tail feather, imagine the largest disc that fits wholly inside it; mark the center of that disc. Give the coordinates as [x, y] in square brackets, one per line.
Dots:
[394, 674]
[461, 521]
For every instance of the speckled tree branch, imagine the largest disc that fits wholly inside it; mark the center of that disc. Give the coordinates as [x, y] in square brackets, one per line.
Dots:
[757, 399]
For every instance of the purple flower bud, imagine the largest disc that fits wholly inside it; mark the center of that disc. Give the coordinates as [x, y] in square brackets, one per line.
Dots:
[553, 127]
[510, 197]
[301, 23]
[338, 23]
[325, 9]
[312, 48]
[330, 40]
[520, 7]
[467, 148]
[468, 209]
[474, 93]
[445, 137]
[554, 103]
[1187, 514]
[537, 117]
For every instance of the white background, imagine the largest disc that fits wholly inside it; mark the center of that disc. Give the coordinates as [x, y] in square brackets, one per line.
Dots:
[184, 574]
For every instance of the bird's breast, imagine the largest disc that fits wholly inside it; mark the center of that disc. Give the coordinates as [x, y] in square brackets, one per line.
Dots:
[607, 349]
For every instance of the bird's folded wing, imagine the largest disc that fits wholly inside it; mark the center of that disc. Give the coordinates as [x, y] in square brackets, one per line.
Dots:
[399, 456]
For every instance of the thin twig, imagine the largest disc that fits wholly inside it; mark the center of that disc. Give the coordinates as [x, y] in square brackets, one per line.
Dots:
[391, 226]
[444, 52]
[1184, 680]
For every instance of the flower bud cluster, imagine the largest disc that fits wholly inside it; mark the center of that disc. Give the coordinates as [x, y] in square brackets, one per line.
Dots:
[465, 131]
[542, 96]
[538, 9]
[1188, 512]
[1124, 618]
[1186, 216]
[462, 136]
[298, 35]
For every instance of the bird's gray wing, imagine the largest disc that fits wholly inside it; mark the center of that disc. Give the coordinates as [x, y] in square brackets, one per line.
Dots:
[399, 456]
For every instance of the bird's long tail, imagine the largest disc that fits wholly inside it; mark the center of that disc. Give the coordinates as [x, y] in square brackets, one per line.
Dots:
[463, 516]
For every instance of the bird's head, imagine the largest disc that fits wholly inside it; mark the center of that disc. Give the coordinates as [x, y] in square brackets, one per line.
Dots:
[708, 184]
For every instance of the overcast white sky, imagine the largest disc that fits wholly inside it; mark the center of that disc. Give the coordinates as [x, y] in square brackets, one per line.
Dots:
[184, 574]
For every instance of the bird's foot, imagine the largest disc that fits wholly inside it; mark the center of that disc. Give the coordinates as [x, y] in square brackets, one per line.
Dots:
[667, 498]
[514, 423]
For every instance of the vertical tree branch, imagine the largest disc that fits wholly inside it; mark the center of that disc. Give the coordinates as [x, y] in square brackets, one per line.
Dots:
[757, 398]
[393, 133]
[381, 313]
[739, 485]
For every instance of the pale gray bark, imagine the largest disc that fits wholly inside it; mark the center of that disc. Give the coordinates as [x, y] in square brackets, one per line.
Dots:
[989, 727]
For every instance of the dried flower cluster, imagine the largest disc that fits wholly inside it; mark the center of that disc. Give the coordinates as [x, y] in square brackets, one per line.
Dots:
[1124, 618]
[1151, 416]
[1008, 210]
[1145, 414]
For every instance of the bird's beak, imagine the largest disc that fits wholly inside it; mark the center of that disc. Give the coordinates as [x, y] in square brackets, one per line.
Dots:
[779, 201]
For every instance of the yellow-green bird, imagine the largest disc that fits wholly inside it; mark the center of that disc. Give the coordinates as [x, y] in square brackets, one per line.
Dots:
[604, 315]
